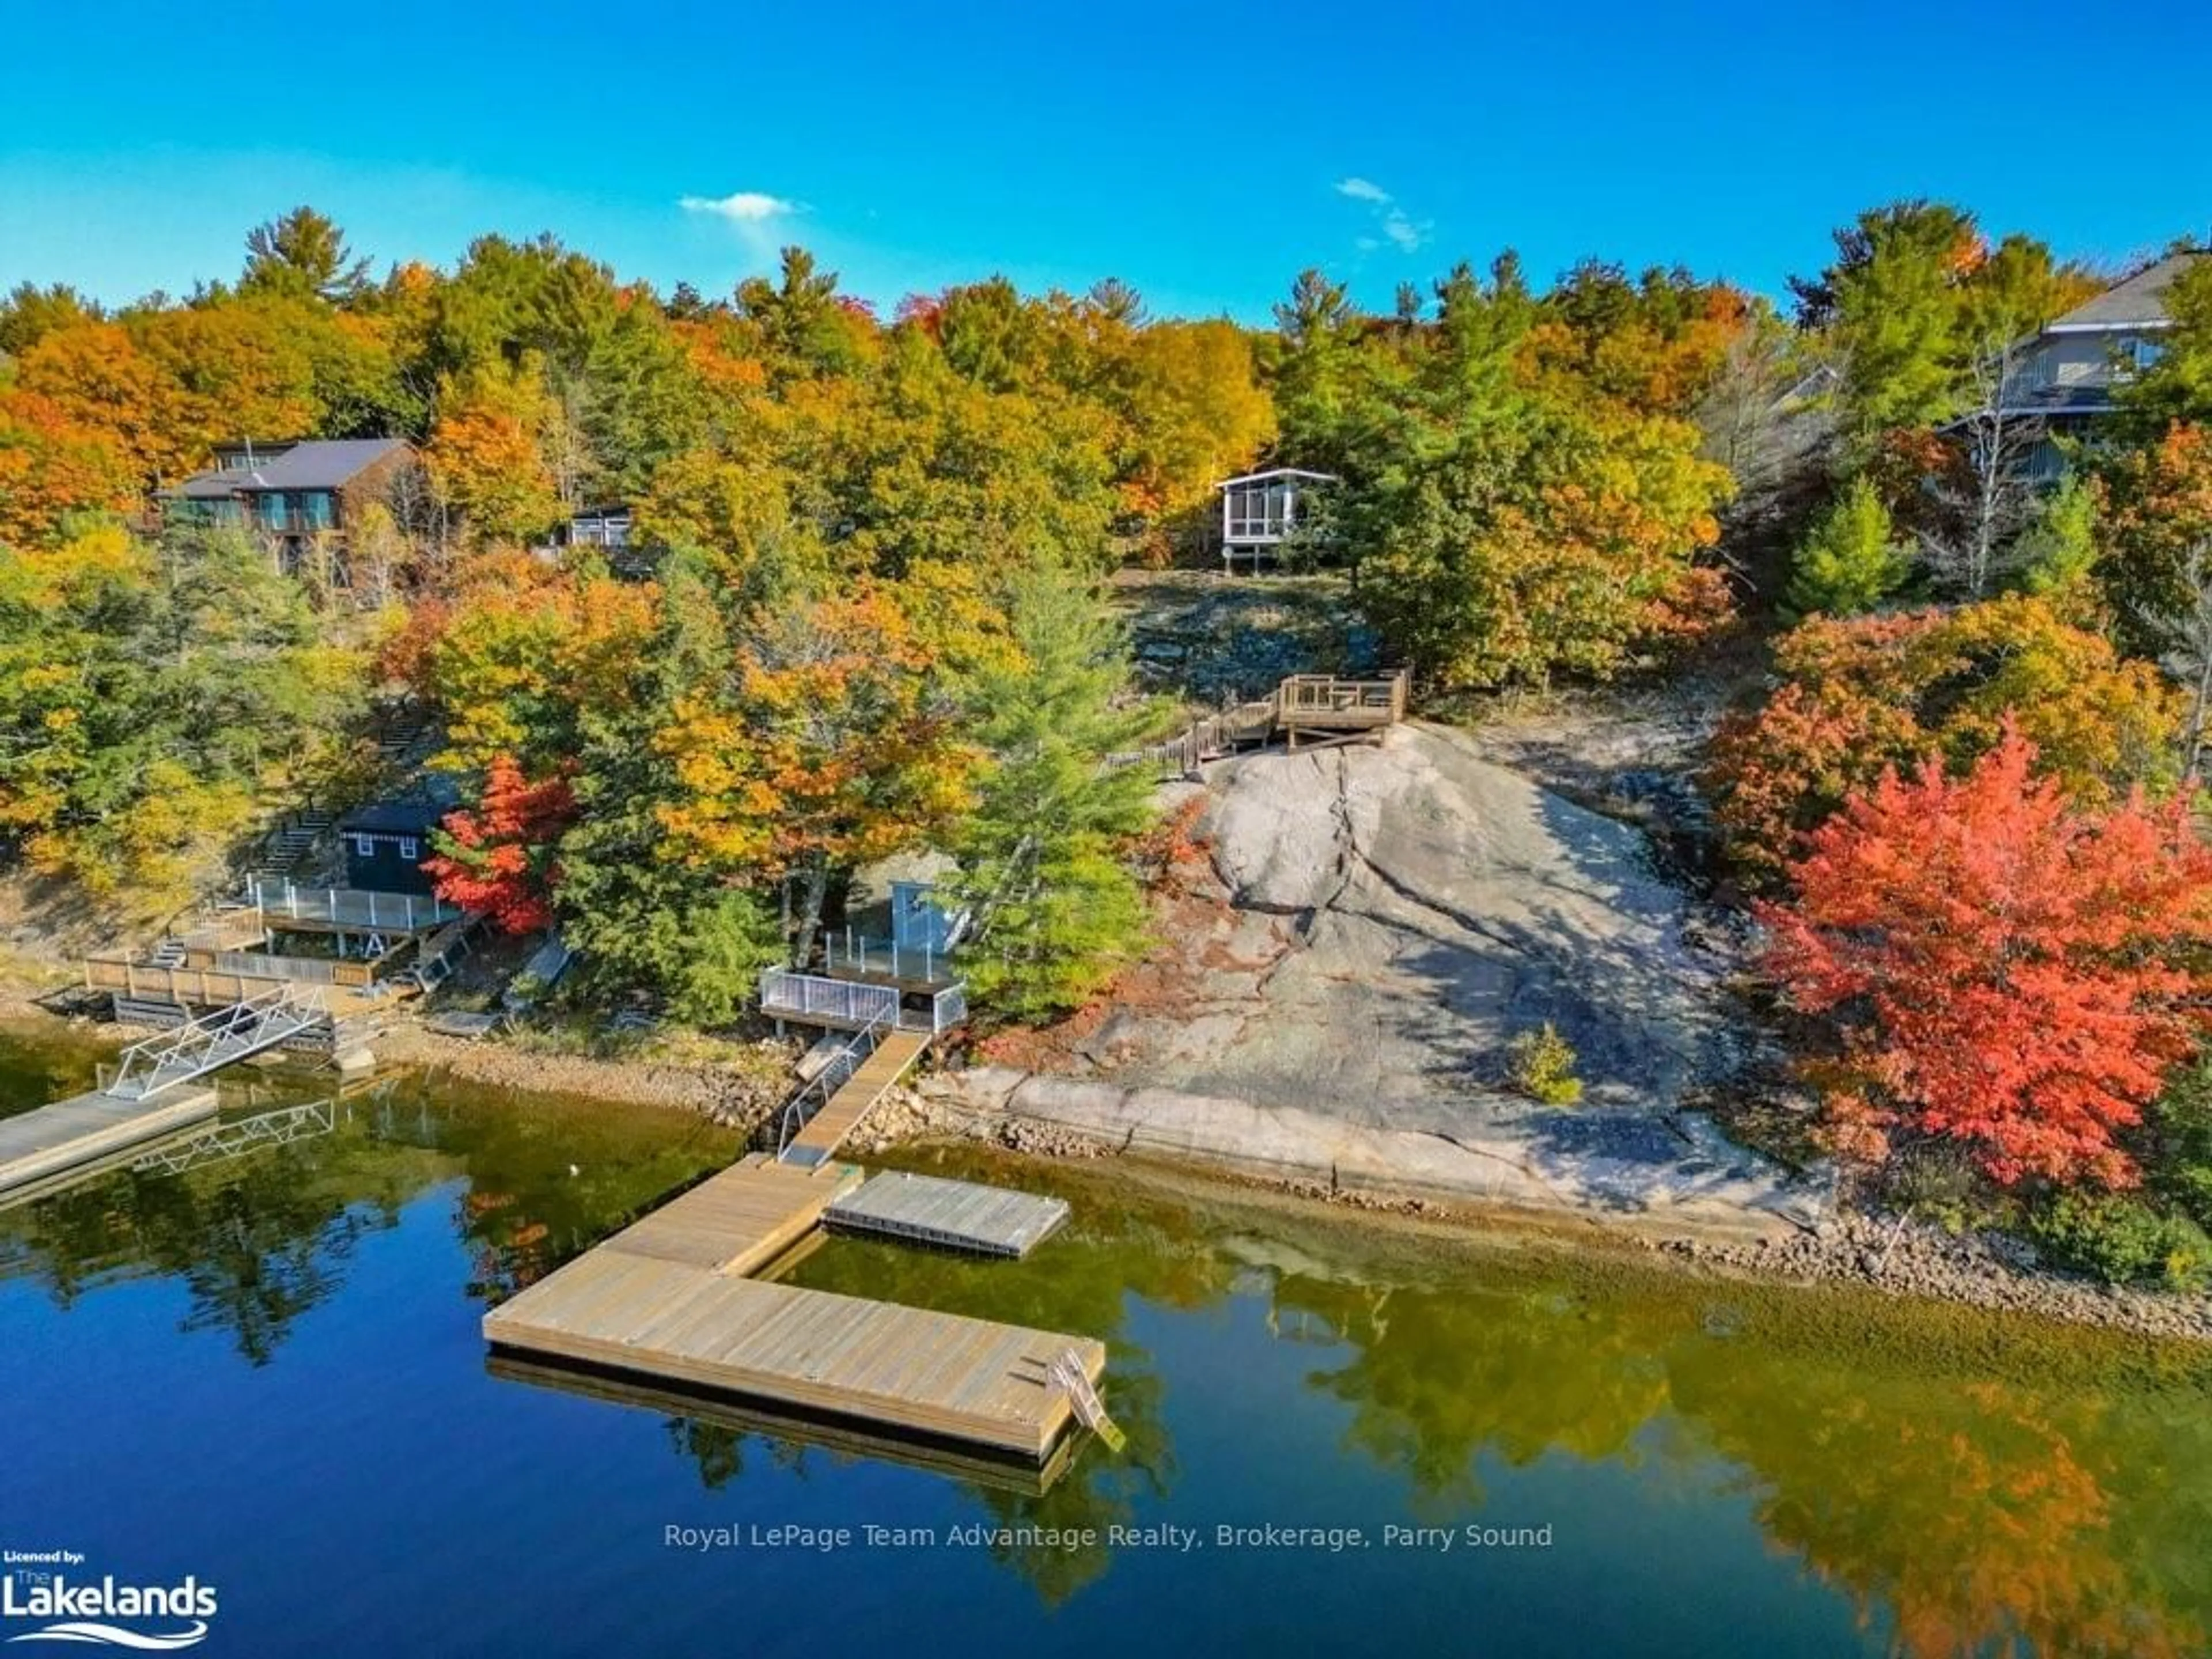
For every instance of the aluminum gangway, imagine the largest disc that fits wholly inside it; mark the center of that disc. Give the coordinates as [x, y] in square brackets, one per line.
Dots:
[214, 1040]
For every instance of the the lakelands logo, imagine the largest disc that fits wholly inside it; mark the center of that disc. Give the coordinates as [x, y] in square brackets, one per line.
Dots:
[52, 1586]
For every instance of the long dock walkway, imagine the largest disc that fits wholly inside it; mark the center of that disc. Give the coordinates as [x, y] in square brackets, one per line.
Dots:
[36, 1146]
[740, 1221]
[667, 1299]
[825, 1132]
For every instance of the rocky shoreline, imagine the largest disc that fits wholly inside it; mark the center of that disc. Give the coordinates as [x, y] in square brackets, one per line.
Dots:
[720, 1094]
[1981, 1270]
[1914, 1261]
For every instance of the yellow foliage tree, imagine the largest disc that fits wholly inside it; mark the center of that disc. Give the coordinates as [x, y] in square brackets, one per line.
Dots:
[828, 745]
[487, 454]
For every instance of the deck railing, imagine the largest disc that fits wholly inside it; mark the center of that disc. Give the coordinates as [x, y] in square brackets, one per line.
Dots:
[812, 996]
[1324, 696]
[355, 907]
[801, 1108]
[207, 987]
[948, 1008]
[815, 997]
[857, 954]
[309, 970]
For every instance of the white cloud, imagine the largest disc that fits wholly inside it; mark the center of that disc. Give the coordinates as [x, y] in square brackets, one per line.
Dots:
[1391, 223]
[745, 207]
[1404, 231]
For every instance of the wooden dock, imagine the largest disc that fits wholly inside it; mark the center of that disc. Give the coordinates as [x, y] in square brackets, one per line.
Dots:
[953, 1215]
[74, 1134]
[247, 978]
[665, 1299]
[825, 1132]
[840, 1439]
[740, 1221]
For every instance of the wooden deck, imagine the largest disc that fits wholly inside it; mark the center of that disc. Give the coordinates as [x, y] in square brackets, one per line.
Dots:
[74, 1134]
[943, 1375]
[826, 1130]
[1302, 705]
[842, 1000]
[347, 909]
[220, 987]
[953, 1215]
[740, 1221]
[1321, 702]
[665, 1299]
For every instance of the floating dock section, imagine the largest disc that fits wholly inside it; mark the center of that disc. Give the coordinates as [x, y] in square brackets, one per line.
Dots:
[952, 1215]
[668, 1298]
[74, 1134]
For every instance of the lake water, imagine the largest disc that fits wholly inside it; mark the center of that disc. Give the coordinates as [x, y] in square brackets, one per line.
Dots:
[267, 1373]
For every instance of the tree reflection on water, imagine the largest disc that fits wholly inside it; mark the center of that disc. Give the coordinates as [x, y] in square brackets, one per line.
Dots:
[1969, 1484]
[1973, 1486]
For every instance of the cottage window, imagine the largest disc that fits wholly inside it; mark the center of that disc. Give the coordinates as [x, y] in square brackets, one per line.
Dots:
[408, 848]
[2136, 353]
[364, 847]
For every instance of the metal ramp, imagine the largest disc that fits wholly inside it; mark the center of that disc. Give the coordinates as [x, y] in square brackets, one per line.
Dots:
[1067, 1373]
[816, 1120]
[214, 1040]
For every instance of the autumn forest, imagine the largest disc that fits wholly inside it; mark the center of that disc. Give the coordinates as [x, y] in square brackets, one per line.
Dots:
[1971, 647]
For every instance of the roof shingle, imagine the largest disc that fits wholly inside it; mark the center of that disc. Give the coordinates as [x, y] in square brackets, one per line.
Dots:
[330, 463]
[2138, 302]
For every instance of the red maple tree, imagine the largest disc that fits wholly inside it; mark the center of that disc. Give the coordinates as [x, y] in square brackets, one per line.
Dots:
[2007, 970]
[500, 859]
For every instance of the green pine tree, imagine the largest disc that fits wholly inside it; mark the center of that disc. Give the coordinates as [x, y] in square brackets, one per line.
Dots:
[1042, 855]
[1849, 562]
[2058, 552]
[640, 920]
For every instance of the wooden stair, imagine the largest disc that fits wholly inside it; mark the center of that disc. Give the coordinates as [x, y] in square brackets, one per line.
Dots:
[287, 848]
[825, 1132]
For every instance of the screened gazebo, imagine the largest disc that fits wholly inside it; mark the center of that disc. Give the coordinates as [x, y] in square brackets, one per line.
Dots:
[1261, 511]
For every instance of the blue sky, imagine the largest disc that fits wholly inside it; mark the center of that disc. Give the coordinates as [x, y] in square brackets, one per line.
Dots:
[1205, 154]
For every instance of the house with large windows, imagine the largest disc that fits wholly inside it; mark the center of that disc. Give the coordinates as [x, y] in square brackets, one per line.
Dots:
[2067, 373]
[1263, 511]
[299, 498]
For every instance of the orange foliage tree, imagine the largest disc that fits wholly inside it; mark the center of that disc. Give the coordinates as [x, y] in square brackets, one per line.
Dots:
[501, 858]
[488, 454]
[2007, 970]
[1864, 693]
[51, 464]
[830, 745]
[519, 652]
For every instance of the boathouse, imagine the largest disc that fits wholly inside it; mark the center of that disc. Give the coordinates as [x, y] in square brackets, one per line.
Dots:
[386, 842]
